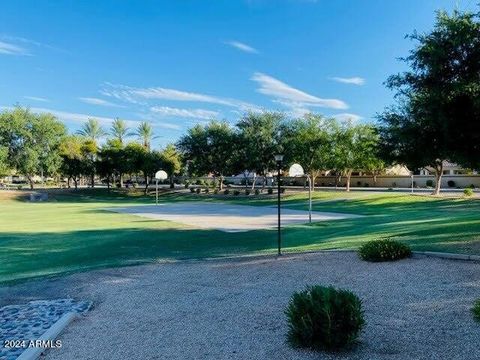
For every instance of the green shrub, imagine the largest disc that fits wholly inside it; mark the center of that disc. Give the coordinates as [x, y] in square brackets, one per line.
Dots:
[282, 190]
[468, 192]
[226, 191]
[198, 190]
[257, 191]
[206, 190]
[247, 192]
[192, 190]
[451, 183]
[324, 318]
[270, 191]
[384, 250]
[236, 192]
[187, 184]
[476, 310]
[429, 183]
[215, 191]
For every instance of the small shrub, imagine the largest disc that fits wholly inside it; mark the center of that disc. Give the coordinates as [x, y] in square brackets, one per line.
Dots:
[198, 190]
[247, 192]
[367, 185]
[206, 191]
[384, 250]
[215, 191]
[451, 183]
[359, 183]
[282, 190]
[187, 184]
[236, 192]
[468, 192]
[394, 184]
[192, 190]
[476, 310]
[429, 183]
[257, 191]
[19, 187]
[472, 186]
[324, 318]
[270, 191]
[226, 191]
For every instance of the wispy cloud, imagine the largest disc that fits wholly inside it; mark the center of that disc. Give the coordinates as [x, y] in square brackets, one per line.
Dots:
[187, 113]
[242, 46]
[7, 48]
[351, 80]
[347, 117]
[140, 95]
[97, 101]
[36, 98]
[290, 96]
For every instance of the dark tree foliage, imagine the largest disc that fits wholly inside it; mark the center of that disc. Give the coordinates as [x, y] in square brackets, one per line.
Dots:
[437, 115]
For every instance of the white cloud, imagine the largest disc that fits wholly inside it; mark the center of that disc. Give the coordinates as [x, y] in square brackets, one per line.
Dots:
[139, 95]
[12, 49]
[347, 117]
[286, 94]
[189, 113]
[242, 46]
[96, 101]
[36, 98]
[352, 80]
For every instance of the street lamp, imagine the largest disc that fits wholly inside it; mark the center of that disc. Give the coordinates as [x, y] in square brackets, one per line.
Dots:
[279, 159]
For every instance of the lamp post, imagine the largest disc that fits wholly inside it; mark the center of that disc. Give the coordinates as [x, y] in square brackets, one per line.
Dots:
[279, 159]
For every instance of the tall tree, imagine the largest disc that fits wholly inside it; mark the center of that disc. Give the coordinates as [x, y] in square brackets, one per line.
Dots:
[259, 140]
[208, 149]
[119, 130]
[72, 158]
[172, 162]
[92, 130]
[32, 141]
[354, 147]
[308, 141]
[436, 117]
[145, 133]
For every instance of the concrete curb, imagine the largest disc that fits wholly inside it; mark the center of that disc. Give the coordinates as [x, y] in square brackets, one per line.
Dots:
[51, 334]
[450, 256]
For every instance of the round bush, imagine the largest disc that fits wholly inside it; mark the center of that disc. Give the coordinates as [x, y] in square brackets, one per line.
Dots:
[451, 183]
[384, 250]
[198, 190]
[192, 190]
[324, 318]
[476, 310]
[429, 183]
[468, 192]
[270, 191]
[226, 191]
[247, 192]
[257, 191]
[236, 192]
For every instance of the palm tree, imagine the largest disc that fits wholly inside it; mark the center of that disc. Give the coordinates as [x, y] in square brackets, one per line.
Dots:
[145, 134]
[92, 130]
[119, 130]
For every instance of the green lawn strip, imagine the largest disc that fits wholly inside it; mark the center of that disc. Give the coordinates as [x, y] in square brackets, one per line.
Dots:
[73, 233]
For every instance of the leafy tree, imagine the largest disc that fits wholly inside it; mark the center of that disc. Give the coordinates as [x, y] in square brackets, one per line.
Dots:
[436, 117]
[119, 130]
[259, 141]
[354, 147]
[4, 168]
[89, 151]
[172, 162]
[209, 149]
[308, 141]
[72, 158]
[32, 141]
[92, 130]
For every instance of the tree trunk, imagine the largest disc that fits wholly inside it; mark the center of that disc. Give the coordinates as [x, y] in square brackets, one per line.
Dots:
[30, 180]
[68, 181]
[172, 185]
[349, 175]
[108, 182]
[75, 181]
[374, 180]
[92, 180]
[146, 185]
[254, 181]
[438, 177]
[121, 180]
[221, 182]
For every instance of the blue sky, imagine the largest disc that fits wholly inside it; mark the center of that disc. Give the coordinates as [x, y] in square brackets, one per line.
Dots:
[177, 63]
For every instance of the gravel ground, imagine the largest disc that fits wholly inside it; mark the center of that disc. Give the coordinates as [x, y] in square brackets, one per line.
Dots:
[233, 309]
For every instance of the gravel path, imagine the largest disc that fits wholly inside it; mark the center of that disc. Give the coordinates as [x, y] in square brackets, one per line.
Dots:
[233, 309]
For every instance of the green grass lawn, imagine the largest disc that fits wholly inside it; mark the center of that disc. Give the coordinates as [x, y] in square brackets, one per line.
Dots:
[72, 233]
